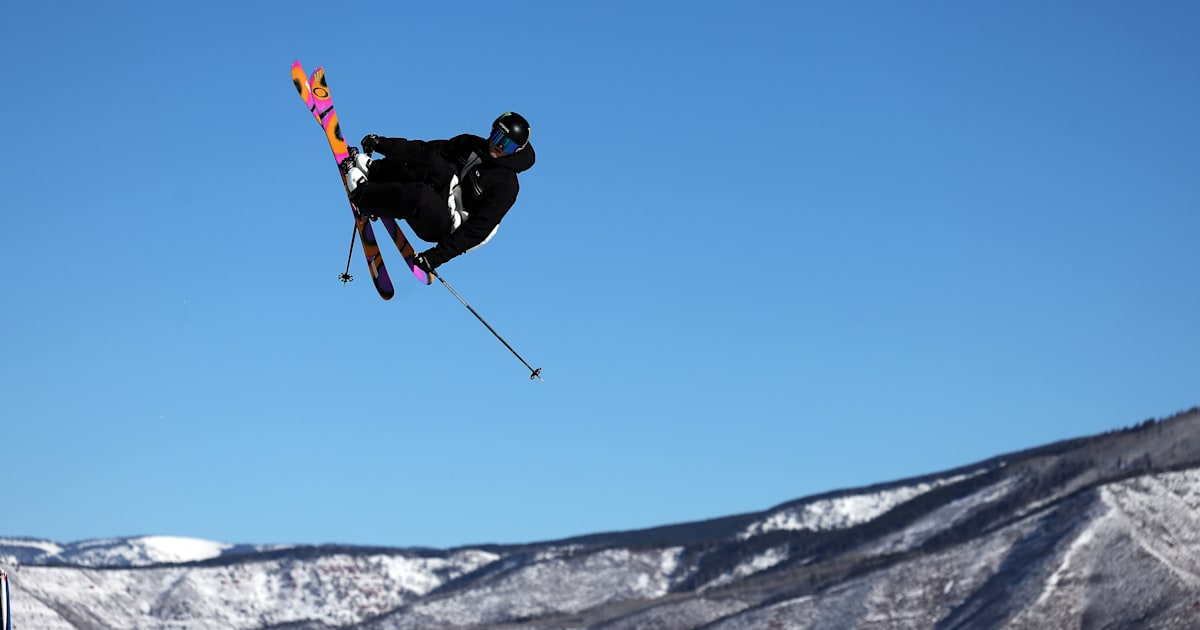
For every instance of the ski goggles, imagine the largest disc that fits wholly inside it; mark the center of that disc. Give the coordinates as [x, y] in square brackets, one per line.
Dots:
[503, 142]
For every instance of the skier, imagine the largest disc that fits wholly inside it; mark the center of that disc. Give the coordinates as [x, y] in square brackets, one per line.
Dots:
[452, 192]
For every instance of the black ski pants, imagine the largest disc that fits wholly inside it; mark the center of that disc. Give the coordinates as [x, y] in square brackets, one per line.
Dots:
[394, 189]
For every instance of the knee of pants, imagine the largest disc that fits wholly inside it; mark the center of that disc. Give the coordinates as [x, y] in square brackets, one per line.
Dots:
[430, 220]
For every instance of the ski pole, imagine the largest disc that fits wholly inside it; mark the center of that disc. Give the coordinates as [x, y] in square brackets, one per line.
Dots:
[533, 373]
[345, 275]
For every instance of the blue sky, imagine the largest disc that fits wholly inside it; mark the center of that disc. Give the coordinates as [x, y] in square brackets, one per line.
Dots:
[768, 250]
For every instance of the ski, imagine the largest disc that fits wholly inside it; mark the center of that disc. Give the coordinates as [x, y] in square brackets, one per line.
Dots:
[391, 224]
[315, 94]
[406, 249]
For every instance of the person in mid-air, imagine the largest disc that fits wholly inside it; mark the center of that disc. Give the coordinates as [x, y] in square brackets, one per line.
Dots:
[452, 192]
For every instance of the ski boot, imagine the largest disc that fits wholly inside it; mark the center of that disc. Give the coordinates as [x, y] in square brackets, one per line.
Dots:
[355, 167]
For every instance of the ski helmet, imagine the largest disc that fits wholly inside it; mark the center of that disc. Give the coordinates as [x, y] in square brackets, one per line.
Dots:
[510, 132]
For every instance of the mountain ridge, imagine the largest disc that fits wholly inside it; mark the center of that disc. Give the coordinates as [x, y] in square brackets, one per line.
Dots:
[1012, 539]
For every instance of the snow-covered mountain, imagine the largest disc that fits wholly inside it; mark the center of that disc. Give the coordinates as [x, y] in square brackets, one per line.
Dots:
[122, 552]
[1095, 532]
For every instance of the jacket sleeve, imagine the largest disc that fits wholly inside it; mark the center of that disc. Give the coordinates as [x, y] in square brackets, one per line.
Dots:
[486, 214]
[414, 152]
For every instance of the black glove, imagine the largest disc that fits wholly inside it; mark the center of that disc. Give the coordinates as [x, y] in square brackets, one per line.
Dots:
[423, 262]
[369, 142]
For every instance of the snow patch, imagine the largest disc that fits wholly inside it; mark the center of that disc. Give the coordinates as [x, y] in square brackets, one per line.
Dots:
[760, 562]
[1063, 573]
[176, 549]
[43, 546]
[843, 512]
[942, 519]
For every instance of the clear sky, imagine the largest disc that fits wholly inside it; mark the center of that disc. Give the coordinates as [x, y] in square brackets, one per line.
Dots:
[769, 249]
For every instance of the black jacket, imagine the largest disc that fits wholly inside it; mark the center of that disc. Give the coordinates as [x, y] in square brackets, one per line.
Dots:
[489, 187]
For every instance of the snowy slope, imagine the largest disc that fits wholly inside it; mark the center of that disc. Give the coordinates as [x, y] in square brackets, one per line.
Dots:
[842, 512]
[334, 589]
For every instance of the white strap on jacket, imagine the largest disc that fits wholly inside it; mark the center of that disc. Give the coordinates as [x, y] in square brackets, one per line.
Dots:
[458, 211]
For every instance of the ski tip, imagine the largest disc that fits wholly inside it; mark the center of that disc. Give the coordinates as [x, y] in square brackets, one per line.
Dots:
[300, 82]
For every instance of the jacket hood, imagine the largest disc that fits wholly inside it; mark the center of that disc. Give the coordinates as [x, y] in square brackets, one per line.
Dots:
[520, 161]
